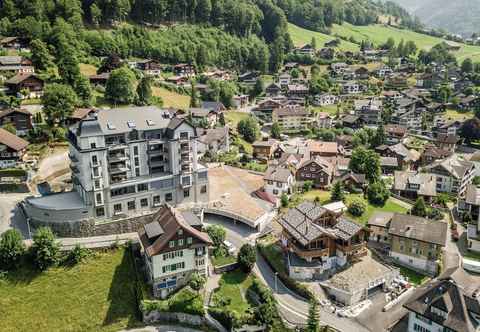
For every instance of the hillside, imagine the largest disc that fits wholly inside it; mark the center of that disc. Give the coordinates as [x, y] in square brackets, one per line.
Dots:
[459, 16]
[302, 36]
[378, 34]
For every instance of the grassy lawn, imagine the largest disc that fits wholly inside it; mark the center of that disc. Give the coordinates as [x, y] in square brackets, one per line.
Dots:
[93, 296]
[274, 253]
[302, 36]
[379, 34]
[223, 260]
[88, 70]
[171, 99]
[456, 115]
[240, 142]
[330, 109]
[233, 118]
[231, 295]
[413, 276]
[185, 300]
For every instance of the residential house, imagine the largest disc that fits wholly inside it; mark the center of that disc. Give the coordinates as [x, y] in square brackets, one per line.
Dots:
[443, 305]
[11, 65]
[411, 184]
[396, 82]
[394, 133]
[388, 165]
[352, 88]
[290, 65]
[345, 142]
[447, 142]
[337, 69]
[199, 115]
[284, 80]
[25, 82]
[292, 118]
[406, 158]
[248, 77]
[319, 239]
[297, 90]
[324, 149]
[240, 101]
[266, 107]
[447, 128]
[215, 106]
[264, 149]
[417, 242]
[383, 71]
[99, 79]
[369, 110]
[326, 53]
[79, 114]
[407, 113]
[14, 43]
[324, 120]
[431, 154]
[174, 247]
[177, 80]
[333, 43]
[471, 205]
[468, 102]
[149, 67]
[278, 181]
[12, 149]
[306, 49]
[325, 99]
[20, 118]
[352, 181]
[273, 90]
[352, 121]
[318, 170]
[362, 73]
[184, 69]
[453, 174]
[378, 226]
[213, 140]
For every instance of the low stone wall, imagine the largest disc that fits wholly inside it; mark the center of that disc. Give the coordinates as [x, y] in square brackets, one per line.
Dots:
[225, 268]
[88, 227]
[154, 317]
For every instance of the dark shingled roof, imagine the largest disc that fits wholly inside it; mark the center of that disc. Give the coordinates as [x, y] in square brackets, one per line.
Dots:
[346, 229]
[12, 141]
[417, 228]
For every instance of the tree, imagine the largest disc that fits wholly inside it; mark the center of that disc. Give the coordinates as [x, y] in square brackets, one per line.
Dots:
[247, 256]
[378, 193]
[467, 66]
[366, 162]
[390, 44]
[59, 102]
[284, 200]
[45, 248]
[196, 281]
[276, 131]
[379, 137]
[313, 43]
[419, 209]
[110, 63]
[120, 86]
[77, 255]
[95, 14]
[10, 127]
[258, 88]
[203, 10]
[337, 193]
[217, 234]
[194, 102]
[11, 249]
[144, 91]
[313, 321]
[84, 90]
[470, 130]
[249, 129]
[41, 57]
[357, 207]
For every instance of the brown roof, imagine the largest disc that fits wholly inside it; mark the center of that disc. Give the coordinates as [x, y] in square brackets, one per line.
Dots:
[12, 141]
[81, 113]
[323, 147]
[19, 78]
[13, 110]
[291, 111]
[395, 129]
[165, 224]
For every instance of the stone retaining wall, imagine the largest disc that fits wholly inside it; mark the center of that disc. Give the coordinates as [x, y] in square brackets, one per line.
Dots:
[154, 317]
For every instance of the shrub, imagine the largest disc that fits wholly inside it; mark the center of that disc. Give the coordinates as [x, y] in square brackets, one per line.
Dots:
[378, 193]
[44, 249]
[11, 249]
[419, 209]
[357, 207]
[337, 193]
[77, 255]
[217, 234]
[247, 257]
[307, 186]
[196, 281]
[284, 200]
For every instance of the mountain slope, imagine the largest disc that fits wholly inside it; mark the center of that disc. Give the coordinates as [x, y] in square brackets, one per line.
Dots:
[302, 36]
[457, 16]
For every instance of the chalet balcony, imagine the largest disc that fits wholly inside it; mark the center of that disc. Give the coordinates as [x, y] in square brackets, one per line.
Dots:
[118, 169]
[120, 146]
[117, 178]
[308, 254]
[353, 249]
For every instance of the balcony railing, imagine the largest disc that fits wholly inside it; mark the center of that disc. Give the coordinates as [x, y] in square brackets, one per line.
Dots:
[308, 253]
[117, 170]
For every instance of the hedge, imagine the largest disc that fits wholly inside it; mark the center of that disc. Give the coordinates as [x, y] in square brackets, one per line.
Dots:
[290, 283]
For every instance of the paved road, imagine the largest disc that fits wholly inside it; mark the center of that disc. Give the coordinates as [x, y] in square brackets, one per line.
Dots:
[10, 216]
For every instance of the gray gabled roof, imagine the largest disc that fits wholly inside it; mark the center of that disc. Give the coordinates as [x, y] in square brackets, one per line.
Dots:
[416, 228]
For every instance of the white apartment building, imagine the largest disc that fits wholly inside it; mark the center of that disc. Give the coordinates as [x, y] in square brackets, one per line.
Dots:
[126, 163]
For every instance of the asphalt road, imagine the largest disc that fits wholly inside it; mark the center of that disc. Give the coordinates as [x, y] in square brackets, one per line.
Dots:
[10, 216]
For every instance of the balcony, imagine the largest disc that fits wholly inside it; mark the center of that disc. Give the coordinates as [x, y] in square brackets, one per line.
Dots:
[114, 147]
[117, 157]
[117, 178]
[308, 253]
[118, 169]
[357, 249]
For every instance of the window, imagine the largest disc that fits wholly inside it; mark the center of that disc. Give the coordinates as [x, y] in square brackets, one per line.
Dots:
[97, 184]
[99, 198]
[122, 191]
[180, 242]
[137, 171]
[275, 191]
[156, 200]
[172, 254]
[142, 187]
[131, 205]
[94, 160]
[189, 240]
[93, 145]
[180, 232]
[168, 197]
[184, 135]
[95, 171]
[100, 212]
[135, 150]
[171, 244]
[137, 162]
[144, 202]
[203, 189]
[117, 207]
[186, 193]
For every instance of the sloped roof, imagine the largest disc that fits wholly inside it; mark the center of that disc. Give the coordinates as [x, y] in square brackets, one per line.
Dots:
[417, 228]
[278, 174]
[12, 141]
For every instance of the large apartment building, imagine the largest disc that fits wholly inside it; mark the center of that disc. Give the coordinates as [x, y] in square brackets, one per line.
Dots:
[125, 163]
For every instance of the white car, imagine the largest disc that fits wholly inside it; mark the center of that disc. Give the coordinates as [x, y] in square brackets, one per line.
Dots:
[230, 247]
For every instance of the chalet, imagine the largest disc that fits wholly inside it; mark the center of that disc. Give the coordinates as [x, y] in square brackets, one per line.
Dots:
[431, 154]
[12, 149]
[337, 69]
[273, 90]
[318, 170]
[25, 82]
[213, 140]
[174, 246]
[468, 102]
[240, 101]
[177, 80]
[471, 205]
[14, 43]
[362, 73]
[184, 69]
[352, 121]
[453, 174]
[388, 165]
[326, 53]
[351, 88]
[149, 67]
[325, 99]
[344, 141]
[306, 49]
[215, 106]
[333, 43]
[292, 118]
[324, 149]
[290, 65]
[78, 115]
[443, 305]
[198, 115]
[407, 113]
[248, 77]
[20, 118]
[452, 46]
[406, 158]
[447, 142]
[383, 71]
[369, 110]
[353, 181]
[266, 107]
[396, 82]
[378, 226]
[313, 234]
[417, 242]
[324, 120]
[297, 90]
[395, 133]
[278, 181]
[264, 149]
[99, 79]
[412, 184]
[11, 65]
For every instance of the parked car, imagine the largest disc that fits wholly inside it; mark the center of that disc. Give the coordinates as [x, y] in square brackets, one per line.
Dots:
[230, 247]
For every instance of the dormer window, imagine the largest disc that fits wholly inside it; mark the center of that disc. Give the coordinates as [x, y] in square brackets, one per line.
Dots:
[150, 123]
[131, 124]
[180, 231]
[111, 126]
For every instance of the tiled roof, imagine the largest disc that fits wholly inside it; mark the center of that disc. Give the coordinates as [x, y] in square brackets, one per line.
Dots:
[417, 228]
[12, 141]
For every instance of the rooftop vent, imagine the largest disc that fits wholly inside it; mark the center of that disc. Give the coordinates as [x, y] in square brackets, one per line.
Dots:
[131, 124]
[111, 126]
[150, 122]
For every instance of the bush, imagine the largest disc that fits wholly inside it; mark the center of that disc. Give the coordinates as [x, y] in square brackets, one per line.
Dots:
[357, 207]
[378, 193]
[44, 249]
[11, 249]
[217, 234]
[284, 200]
[337, 193]
[196, 281]
[77, 255]
[247, 257]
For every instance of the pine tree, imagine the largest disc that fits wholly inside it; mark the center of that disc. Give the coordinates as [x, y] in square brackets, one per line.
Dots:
[419, 209]
[144, 91]
[313, 322]
[337, 192]
[194, 102]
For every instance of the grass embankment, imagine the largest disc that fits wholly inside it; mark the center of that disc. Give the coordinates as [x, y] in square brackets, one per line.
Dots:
[223, 260]
[171, 98]
[302, 36]
[96, 295]
[231, 295]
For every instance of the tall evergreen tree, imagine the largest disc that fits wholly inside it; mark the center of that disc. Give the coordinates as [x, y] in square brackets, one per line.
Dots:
[144, 91]
[313, 322]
